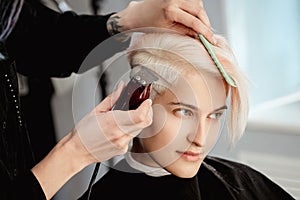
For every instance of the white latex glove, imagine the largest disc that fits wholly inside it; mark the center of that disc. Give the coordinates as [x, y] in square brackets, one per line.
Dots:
[105, 133]
[185, 16]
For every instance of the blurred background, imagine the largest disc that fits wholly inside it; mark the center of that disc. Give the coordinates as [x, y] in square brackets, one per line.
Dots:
[265, 36]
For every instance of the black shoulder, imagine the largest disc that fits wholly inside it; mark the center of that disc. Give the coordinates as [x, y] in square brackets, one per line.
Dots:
[243, 181]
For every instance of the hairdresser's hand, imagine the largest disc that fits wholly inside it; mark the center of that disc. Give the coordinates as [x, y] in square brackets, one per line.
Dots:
[100, 135]
[105, 133]
[185, 16]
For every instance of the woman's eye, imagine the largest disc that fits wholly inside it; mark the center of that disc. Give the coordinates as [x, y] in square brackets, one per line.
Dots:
[215, 115]
[183, 112]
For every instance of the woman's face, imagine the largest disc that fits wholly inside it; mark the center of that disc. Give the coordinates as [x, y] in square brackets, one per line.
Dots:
[186, 124]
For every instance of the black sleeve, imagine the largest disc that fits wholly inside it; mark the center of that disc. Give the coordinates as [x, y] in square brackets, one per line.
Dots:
[24, 187]
[47, 43]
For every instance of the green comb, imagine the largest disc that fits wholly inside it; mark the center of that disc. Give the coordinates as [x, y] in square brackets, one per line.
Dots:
[212, 54]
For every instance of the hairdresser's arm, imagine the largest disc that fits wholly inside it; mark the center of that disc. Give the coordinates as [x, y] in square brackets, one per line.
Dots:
[47, 43]
[99, 136]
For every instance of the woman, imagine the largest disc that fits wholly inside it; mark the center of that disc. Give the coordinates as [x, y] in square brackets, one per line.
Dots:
[191, 102]
[37, 41]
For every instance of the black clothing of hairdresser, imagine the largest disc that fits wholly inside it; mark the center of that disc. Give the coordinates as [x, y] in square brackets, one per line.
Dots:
[26, 46]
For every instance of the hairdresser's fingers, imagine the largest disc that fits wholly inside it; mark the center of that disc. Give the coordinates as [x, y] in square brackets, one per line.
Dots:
[196, 9]
[113, 131]
[100, 136]
[133, 121]
[194, 25]
[168, 14]
[201, 3]
[117, 123]
[122, 143]
[204, 17]
[111, 99]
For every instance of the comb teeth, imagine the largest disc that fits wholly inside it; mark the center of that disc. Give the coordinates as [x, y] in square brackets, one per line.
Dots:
[144, 75]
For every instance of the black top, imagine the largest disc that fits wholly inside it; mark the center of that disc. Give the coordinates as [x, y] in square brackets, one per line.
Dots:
[47, 43]
[43, 43]
[217, 179]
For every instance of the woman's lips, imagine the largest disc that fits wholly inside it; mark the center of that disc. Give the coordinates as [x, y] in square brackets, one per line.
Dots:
[190, 156]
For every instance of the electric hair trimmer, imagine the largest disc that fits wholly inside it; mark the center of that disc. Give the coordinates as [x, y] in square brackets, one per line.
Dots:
[137, 90]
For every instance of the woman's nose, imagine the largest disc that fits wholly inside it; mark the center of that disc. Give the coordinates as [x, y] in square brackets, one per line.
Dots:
[199, 135]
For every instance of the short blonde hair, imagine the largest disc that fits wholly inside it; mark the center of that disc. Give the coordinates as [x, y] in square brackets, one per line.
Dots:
[168, 53]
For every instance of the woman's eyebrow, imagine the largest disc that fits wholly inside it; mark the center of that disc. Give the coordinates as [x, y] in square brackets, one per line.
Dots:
[184, 104]
[221, 108]
[196, 108]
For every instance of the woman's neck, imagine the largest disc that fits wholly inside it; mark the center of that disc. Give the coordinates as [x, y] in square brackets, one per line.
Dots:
[150, 170]
[140, 155]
